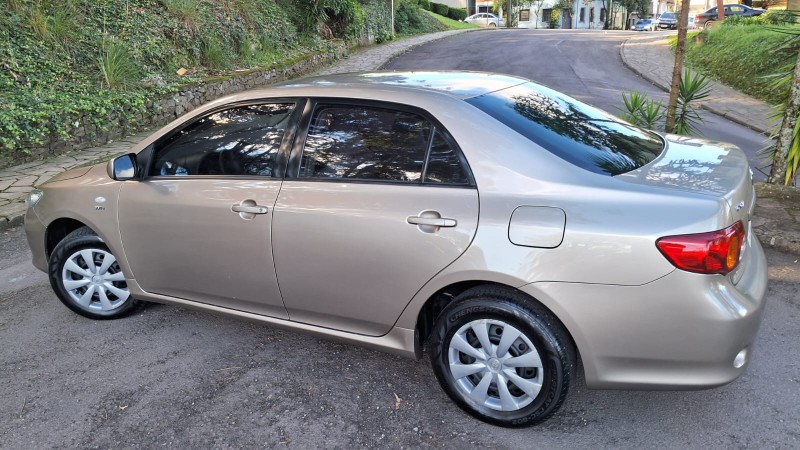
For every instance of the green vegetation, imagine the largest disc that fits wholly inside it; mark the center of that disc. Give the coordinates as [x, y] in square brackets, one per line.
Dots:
[63, 62]
[441, 9]
[410, 19]
[450, 23]
[746, 57]
[647, 113]
[755, 55]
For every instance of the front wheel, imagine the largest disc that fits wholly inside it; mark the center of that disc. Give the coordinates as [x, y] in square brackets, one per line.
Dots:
[87, 278]
[502, 357]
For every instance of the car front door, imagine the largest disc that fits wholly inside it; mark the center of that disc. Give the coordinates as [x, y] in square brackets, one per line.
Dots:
[378, 199]
[197, 226]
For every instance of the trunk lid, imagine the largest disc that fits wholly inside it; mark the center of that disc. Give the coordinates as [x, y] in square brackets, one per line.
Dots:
[702, 167]
[710, 168]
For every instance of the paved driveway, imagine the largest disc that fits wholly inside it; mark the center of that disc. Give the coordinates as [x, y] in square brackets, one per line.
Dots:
[170, 376]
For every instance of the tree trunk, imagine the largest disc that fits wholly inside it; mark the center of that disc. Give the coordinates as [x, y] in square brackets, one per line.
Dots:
[720, 11]
[677, 70]
[777, 174]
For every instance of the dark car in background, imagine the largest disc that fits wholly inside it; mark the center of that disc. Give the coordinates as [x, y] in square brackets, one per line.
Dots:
[668, 20]
[708, 18]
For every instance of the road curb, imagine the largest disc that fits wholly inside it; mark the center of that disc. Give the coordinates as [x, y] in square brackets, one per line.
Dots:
[13, 221]
[664, 87]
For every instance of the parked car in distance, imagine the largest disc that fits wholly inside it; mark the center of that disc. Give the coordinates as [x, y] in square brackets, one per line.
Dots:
[486, 20]
[668, 20]
[509, 228]
[645, 25]
[708, 18]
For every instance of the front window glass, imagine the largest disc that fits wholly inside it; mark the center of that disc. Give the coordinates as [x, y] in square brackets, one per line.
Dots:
[576, 132]
[236, 141]
[367, 143]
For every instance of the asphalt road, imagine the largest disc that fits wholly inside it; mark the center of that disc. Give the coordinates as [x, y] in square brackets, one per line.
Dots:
[173, 377]
[581, 63]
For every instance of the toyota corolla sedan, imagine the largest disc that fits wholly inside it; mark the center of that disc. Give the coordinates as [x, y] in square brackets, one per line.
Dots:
[508, 229]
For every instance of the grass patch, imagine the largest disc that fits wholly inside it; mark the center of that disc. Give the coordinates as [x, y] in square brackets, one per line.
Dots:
[116, 65]
[450, 23]
[745, 57]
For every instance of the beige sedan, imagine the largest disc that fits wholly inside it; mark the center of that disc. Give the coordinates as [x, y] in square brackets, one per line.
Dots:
[508, 227]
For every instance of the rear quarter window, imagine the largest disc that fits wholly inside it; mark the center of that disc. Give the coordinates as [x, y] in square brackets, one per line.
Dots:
[576, 132]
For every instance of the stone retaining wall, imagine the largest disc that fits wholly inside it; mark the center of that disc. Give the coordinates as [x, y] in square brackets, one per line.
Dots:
[160, 112]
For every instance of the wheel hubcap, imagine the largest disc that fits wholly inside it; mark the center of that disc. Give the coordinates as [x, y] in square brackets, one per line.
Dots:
[94, 280]
[495, 365]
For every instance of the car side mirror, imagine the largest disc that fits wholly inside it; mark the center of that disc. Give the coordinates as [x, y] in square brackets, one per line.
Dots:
[123, 167]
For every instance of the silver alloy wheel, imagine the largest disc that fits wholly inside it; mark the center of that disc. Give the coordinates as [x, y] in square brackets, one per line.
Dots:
[94, 280]
[495, 365]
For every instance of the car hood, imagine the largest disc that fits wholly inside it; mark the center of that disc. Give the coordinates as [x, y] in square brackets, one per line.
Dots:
[699, 166]
[70, 174]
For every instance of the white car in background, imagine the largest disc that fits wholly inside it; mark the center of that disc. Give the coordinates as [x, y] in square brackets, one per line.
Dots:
[486, 20]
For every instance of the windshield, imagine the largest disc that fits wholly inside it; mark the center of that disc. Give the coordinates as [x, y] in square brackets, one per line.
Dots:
[642, 22]
[667, 16]
[576, 132]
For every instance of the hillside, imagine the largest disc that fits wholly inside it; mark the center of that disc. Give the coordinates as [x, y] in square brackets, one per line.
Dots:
[63, 59]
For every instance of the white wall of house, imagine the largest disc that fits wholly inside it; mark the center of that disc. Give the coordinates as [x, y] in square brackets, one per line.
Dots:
[585, 15]
[534, 21]
[659, 7]
[454, 3]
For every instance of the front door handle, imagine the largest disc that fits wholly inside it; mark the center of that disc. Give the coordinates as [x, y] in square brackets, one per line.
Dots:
[430, 221]
[248, 209]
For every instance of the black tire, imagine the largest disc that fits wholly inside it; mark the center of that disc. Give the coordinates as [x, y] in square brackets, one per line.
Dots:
[80, 240]
[542, 329]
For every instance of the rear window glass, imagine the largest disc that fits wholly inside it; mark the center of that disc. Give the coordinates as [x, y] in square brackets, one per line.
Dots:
[576, 132]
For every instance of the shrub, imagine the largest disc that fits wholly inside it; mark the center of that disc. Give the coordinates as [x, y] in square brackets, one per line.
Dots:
[440, 8]
[457, 13]
[555, 19]
[779, 17]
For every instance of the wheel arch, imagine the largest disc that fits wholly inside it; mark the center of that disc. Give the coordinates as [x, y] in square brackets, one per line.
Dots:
[57, 230]
[433, 306]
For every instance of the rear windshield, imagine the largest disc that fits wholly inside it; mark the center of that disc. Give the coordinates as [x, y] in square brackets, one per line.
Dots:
[576, 132]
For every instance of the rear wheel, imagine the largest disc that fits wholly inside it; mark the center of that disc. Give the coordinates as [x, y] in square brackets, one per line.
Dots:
[502, 357]
[87, 277]
[709, 24]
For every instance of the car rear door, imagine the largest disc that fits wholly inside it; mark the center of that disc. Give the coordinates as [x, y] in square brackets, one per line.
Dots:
[197, 227]
[378, 200]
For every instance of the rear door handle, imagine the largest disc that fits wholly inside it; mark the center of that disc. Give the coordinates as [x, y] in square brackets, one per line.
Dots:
[432, 221]
[248, 209]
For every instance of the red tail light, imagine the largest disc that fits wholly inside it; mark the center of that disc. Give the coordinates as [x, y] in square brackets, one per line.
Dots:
[714, 252]
[697, 18]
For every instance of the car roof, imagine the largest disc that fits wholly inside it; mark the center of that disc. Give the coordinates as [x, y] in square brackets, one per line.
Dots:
[462, 85]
